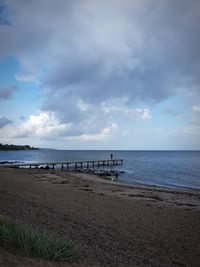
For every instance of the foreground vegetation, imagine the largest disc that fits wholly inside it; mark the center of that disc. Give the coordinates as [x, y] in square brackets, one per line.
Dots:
[16, 147]
[30, 243]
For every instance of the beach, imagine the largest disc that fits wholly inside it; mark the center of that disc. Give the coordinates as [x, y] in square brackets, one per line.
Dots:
[110, 224]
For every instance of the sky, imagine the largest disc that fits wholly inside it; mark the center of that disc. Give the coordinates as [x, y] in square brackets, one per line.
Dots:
[100, 74]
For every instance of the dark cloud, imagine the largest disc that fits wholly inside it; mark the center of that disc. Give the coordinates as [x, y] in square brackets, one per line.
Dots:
[7, 91]
[175, 25]
[4, 121]
[167, 55]
[4, 20]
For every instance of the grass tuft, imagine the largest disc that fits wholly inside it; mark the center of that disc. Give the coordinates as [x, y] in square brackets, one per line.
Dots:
[33, 244]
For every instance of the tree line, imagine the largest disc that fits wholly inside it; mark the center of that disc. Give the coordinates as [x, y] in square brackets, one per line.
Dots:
[16, 147]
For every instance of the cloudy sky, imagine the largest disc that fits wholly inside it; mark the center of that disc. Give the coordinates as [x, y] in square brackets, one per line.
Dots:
[100, 74]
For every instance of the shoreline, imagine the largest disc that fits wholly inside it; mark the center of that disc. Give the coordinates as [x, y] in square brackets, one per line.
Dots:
[142, 187]
[152, 186]
[119, 181]
[110, 223]
[121, 172]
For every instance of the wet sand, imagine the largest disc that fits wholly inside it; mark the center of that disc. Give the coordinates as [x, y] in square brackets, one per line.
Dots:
[111, 224]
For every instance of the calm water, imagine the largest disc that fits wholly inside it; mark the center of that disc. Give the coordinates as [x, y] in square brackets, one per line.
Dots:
[164, 168]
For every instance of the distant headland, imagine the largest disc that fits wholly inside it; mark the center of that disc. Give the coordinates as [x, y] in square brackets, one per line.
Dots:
[16, 147]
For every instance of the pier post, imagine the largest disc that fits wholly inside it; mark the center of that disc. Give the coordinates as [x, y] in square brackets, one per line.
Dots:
[62, 167]
[67, 166]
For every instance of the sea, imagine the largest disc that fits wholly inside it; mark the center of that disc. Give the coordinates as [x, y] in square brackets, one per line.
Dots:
[173, 169]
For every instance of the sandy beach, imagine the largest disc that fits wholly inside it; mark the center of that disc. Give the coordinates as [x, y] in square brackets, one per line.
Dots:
[111, 224]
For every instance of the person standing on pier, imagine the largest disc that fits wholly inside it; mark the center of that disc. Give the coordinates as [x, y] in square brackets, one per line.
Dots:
[111, 156]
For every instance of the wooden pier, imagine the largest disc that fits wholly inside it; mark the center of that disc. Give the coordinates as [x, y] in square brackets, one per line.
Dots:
[79, 164]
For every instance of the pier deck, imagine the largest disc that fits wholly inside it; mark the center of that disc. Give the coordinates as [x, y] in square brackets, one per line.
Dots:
[69, 164]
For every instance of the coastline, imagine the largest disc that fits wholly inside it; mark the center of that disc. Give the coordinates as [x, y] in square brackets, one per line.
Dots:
[111, 223]
[162, 168]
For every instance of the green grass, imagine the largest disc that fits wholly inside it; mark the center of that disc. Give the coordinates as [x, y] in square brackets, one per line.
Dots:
[33, 244]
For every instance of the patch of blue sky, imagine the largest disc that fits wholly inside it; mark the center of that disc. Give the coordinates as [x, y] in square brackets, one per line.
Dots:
[172, 112]
[176, 103]
[26, 100]
[9, 66]
[23, 103]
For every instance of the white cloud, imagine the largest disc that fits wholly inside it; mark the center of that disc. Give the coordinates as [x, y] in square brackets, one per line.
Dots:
[103, 135]
[129, 113]
[82, 105]
[158, 129]
[26, 77]
[195, 130]
[44, 125]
